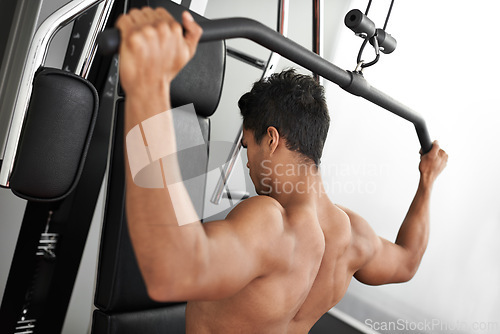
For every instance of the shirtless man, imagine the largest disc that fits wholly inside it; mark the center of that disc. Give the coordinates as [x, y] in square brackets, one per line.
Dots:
[280, 260]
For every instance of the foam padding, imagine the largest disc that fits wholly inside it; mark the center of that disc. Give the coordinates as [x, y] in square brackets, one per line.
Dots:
[55, 137]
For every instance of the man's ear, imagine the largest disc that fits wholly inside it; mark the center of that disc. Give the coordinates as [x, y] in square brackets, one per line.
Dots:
[273, 138]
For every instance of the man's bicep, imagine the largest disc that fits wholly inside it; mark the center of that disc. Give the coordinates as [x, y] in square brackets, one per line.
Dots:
[389, 264]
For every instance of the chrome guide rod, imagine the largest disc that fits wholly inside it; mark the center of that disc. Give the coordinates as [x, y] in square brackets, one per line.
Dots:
[36, 57]
[272, 62]
[21, 31]
[246, 58]
[227, 169]
[90, 47]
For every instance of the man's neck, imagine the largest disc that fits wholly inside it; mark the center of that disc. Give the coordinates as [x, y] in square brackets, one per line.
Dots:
[297, 185]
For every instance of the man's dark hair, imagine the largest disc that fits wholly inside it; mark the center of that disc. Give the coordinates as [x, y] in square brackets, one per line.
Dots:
[295, 105]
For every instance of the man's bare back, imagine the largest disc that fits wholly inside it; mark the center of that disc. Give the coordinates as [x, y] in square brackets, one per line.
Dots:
[278, 261]
[292, 299]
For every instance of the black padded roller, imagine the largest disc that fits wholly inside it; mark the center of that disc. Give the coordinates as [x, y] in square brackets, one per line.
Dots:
[55, 137]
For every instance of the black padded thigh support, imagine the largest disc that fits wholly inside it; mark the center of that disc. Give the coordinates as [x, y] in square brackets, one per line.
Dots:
[55, 137]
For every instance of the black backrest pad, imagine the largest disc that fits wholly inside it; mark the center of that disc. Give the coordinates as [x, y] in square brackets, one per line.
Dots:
[200, 82]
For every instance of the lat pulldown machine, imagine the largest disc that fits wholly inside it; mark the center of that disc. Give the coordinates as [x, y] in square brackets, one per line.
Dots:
[64, 211]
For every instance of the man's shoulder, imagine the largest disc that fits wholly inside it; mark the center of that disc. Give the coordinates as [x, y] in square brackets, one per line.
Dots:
[259, 206]
[258, 214]
[262, 200]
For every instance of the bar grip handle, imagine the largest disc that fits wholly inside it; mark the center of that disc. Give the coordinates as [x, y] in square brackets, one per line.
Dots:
[423, 137]
[109, 41]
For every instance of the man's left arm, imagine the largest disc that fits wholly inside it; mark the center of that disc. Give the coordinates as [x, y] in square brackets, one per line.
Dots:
[398, 262]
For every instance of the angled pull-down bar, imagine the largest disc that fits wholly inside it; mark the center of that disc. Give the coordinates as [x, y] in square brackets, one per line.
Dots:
[352, 82]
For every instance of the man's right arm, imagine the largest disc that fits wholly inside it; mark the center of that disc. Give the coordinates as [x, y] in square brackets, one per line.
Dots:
[398, 262]
[181, 259]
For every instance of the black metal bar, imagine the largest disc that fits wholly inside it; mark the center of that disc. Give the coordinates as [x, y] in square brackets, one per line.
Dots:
[270, 39]
[352, 82]
[246, 58]
[361, 87]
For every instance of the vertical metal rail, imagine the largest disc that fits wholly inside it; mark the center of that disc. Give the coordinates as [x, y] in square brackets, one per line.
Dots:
[318, 33]
[272, 62]
[20, 32]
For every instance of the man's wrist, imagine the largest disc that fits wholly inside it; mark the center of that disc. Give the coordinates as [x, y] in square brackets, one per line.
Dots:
[157, 96]
[426, 182]
[143, 106]
[154, 91]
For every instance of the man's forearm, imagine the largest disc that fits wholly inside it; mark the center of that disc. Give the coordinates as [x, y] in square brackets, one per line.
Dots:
[161, 245]
[414, 232]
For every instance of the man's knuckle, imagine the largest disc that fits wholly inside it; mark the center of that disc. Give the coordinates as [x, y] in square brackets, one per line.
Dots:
[135, 38]
[176, 28]
[160, 10]
[133, 12]
[149, 32]
[136, 42]
[163, 27]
